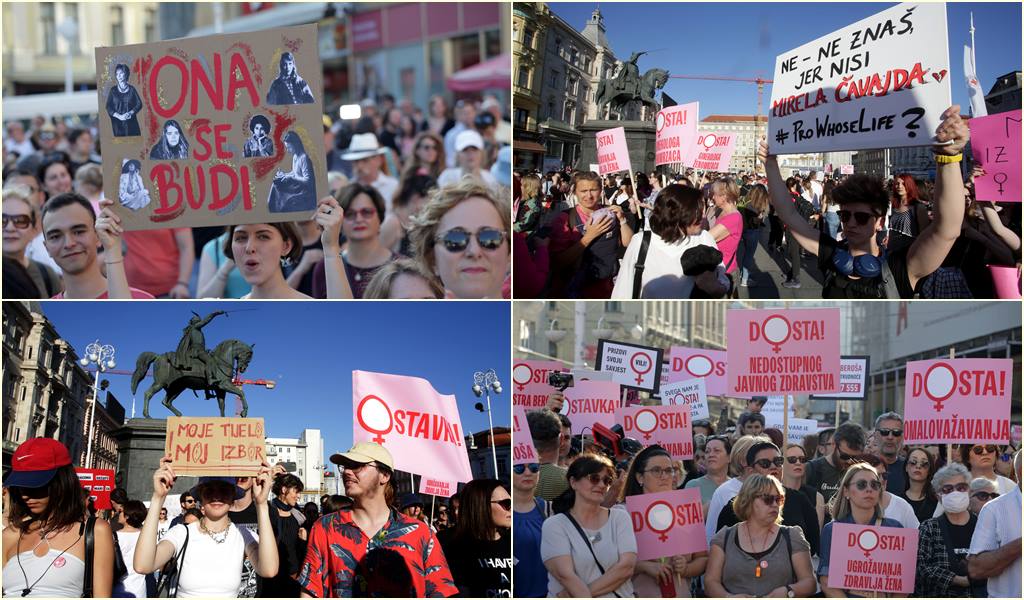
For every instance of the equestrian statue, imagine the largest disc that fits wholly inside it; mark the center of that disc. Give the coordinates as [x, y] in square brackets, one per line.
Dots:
[627, 85]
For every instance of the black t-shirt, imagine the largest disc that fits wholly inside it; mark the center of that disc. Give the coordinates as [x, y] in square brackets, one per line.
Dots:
[290, 555]
[251, 584]
[823, 477]
[923, 508]
[751, 219]
[840, 287]
[480, 568]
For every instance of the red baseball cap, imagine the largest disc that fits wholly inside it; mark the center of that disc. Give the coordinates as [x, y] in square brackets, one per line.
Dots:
[36, 461]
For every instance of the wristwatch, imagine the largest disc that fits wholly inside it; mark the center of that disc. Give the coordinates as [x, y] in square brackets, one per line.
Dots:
[789, 592]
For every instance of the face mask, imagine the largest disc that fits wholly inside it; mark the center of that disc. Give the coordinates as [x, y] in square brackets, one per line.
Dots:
[955, 502]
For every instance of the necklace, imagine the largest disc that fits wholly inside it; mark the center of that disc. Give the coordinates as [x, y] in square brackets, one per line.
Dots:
[217, 536]
[42, 538]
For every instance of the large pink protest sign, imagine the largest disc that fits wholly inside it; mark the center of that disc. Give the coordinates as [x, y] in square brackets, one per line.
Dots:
[590, 402]
[780, 351]
[530, 379]
[675, 133]
[667, 426]
[995, 145]
[869, 558]
[523, 451]
[612, 152]
[689, 363]
[712, 152]
[667, 523]
[437, 487]
[960, 400]
[420, 427]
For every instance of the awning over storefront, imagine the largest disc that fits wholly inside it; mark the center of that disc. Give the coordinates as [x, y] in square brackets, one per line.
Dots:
[282, 15]
[531, 147]
[495, 73]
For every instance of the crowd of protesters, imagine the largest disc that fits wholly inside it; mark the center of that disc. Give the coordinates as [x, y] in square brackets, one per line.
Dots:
[695, 234]
[249, 536]
[419, 208]
[769, 508]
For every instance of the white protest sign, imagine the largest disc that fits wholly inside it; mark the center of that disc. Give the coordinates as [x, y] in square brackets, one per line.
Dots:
[846, 170]
[631, 365]
[772, 411]
[882, 82]
[692, 392]
[798, 428]
[853, 379]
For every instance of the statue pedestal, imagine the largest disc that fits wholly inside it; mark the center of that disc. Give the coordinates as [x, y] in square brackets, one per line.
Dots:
[140, 446]
[639, 138]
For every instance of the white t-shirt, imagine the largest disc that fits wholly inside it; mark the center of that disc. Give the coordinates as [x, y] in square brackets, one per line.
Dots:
[901, 510]
[560, 538]
[663, 274]
[132, 584]
[210, 569]
[387, 186]
[725, 492]
[999, 524]
[816, 191]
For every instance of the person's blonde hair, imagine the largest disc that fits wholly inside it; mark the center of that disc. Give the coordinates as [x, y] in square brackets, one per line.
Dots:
[753, 486]
[729, 187]
[530, 185]
[738, 456]
[21, 192]
[424, 225]
[91, 175]
[379, 287]
[757, 199]
[839, 507]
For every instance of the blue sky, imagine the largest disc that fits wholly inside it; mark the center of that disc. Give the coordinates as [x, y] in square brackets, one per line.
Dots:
[743, 40]
[310, 349]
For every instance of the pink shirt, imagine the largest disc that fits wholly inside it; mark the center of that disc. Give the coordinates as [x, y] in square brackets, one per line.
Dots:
[136, 295]
[728, 245]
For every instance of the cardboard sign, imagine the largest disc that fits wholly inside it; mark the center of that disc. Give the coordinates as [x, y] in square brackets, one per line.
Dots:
[589, 402]
[869, 558]
[667, 426]
[213, 130]
[675, 133]
[230, 446]
[667, 523]
[853, 379]
[772, 411]
[995, 145]
[531, 389]
[776, 351]
[420, 427]
[713, 151]
[689, 363]
[437, 487]
[958, 401]
[612, 152]
[846, 170]
[691, 393]
[633, 366]
[523, 451]
[99, 483]
[882, 82]
[800, 428]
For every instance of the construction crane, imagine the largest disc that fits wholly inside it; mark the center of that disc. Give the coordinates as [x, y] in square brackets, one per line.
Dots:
[267, 383]
[758, 80]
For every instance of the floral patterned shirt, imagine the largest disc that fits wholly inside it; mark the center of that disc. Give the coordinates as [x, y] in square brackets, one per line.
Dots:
[403, 559]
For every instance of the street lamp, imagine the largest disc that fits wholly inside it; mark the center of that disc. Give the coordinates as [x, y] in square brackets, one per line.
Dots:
[68, 29]
[489, 381]
[103, 357]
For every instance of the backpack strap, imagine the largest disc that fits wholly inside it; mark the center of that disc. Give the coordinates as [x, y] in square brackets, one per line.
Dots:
[638, 268]
[90, 554]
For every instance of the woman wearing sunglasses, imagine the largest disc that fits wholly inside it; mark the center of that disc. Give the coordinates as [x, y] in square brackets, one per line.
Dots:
[427, 156]
[893, 507]
[981, 460]
[44, 542]
[759, 556]
[945, 541]
[528, 516]
[982, 491]
[461, 236]
[24, 277]
[478, 548]
[857, 266]
[589, 550]
[211, 565]
[650, 472]
[920, 468]
[793, 478]
[858, 500]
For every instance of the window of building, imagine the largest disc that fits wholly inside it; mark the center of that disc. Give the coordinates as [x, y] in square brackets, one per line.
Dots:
[554, 79]
[48, 18]
[524, 77]
[558, 46]
[551, 109]
[522, 116]
[149, 25]
[116, 26]
[528, 37]
[574, 57]
[492, 44]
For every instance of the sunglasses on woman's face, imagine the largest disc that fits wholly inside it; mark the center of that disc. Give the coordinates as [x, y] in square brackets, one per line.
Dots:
[771, 499]
[20, 221]
[796, 459]
[863, 484]
[365, 213]
[33, 493]
[457, 239]
[862, 218]
[520, 469]
[505, 504]
[596, 479]
[979, 450]
[949, 488]
[766, 463]
[985, 496]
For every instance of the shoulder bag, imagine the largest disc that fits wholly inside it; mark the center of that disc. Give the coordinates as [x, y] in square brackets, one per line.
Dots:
[171, 573]
[586, 541]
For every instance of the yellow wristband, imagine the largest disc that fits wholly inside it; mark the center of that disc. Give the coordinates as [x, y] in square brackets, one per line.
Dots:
[942, 159]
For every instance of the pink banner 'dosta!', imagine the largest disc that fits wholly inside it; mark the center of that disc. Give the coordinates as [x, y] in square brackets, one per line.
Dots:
[962, 400]
[667, 523]
[667, 426]
[523, 451]
[531, 382]
[675, 133]
[712, 152]
[590, 402]
[420, 427]
[691, 363]
[612, 152]
[869, 558]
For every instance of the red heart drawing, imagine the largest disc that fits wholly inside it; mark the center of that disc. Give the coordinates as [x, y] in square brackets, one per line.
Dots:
[939, 76]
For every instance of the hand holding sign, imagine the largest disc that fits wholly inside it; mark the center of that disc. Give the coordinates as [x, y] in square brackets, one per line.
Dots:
[329, 216]
[261, 484]
[952, 134]
[163, 478]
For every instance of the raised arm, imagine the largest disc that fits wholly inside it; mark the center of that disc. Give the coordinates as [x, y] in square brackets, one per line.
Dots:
[150, 556]
[264, 556]
[329, 216]
[934, 243]
[805, 234]
[109, 230]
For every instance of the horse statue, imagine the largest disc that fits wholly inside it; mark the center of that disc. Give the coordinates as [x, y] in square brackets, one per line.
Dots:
[215, 378]
[616, 93]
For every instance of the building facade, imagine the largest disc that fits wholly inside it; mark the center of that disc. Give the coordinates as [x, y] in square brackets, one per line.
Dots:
[481, 460]
[303, 457]
[747, 128]
[528, 41]
[870, 162]
[1004, 95]
[108, 417]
